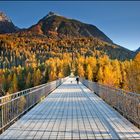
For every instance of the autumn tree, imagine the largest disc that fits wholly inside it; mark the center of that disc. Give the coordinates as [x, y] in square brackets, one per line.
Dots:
[80, 71]
[89, 73]
[108, 78]
[134, 75]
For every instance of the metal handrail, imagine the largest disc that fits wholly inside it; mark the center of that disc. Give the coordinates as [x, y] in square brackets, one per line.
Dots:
[21, 92]
[127, 103]
[13, 106]
[118, 89]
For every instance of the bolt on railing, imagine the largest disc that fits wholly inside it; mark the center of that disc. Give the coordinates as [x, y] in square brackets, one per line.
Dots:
[127, 103]
[14, 105]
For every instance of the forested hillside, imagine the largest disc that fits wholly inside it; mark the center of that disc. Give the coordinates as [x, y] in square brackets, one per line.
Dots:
[19, 49]
[114, 73]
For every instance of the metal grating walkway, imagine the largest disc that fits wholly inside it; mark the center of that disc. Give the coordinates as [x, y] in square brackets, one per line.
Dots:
[72, 112]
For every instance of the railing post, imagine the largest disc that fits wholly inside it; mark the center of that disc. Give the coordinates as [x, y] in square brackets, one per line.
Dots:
[1, 115]
[138, 110]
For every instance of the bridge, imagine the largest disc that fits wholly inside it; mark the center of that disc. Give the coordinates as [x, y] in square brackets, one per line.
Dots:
[70, 111]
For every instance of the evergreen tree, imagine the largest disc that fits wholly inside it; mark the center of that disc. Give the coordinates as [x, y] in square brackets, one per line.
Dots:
[37, 77]
[28, 81]
[14, 87]
[100, 75]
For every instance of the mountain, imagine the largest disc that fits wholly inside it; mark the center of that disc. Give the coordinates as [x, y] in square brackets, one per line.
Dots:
[53, 36]
[54, 24]
[6, 25]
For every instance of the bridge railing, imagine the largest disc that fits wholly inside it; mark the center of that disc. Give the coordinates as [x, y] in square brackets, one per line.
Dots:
[14, 105]
[127, 103]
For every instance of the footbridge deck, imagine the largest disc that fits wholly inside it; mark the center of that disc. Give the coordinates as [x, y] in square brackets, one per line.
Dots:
[72, 111]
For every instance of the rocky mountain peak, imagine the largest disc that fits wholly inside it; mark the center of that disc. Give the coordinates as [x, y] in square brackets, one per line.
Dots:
[4, 17]
[6, 24]
[50, 14]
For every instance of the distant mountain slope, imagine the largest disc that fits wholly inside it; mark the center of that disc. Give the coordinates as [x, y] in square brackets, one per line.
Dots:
[6, 25]
[61, 26]
[138, 50]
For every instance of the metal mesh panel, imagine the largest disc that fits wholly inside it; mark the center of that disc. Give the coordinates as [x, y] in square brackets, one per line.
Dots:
[125, 102]
[13, 106]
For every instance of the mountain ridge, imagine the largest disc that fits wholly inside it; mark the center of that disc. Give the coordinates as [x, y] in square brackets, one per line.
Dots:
[62, 26]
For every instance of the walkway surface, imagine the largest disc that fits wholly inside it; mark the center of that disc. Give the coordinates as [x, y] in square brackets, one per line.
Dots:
[72, 112]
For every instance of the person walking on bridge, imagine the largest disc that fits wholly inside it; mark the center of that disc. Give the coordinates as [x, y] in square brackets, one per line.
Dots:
[77, 79]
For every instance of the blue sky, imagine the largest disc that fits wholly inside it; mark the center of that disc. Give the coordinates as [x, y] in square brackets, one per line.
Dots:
[118, 20]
